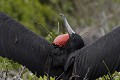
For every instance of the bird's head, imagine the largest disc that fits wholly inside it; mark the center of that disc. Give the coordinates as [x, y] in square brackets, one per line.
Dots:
[71, 40]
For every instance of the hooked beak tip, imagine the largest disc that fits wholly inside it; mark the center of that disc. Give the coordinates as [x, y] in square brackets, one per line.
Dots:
[62, 15]
[70, 31]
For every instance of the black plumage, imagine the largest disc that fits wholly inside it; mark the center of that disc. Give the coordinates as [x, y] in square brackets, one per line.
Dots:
[23, 46]
[27, 48]
[93, 60]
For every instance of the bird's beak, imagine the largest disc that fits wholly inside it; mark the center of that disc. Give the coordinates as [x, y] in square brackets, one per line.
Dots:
[70, 30]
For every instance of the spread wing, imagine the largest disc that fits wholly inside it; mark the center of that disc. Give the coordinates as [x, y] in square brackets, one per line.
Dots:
[98, 58]
[23, 46]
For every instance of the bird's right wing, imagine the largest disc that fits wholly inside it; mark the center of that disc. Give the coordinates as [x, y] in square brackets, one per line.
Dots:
[98, 58]
[23, 46]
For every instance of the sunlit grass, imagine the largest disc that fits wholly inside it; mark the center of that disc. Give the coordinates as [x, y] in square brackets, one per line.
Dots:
[14, 69]
[115, 76]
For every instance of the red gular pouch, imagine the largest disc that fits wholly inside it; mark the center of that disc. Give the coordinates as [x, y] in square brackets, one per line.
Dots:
[61, 40]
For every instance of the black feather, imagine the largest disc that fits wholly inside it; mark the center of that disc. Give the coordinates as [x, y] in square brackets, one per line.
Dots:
[106, 48]
[23, 46]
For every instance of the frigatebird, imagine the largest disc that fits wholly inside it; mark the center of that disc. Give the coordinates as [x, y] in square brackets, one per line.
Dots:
[27, 48]
[21, 45]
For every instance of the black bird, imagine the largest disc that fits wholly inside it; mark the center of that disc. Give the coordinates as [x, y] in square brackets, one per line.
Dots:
[96, 59]
[25, 47]
[64, 44]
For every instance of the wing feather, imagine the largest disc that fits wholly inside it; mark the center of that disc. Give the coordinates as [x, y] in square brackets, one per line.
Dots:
[23, 46]
[104, 51]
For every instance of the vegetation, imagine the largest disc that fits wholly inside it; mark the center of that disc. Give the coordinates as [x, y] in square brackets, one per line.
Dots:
[42, 17]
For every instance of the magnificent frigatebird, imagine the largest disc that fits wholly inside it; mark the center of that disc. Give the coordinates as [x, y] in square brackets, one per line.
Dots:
[27, 48]
[64, 44]
[95, 59]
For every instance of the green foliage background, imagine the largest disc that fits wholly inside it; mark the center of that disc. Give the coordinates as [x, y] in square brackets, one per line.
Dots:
[42, 17]
[29, 12]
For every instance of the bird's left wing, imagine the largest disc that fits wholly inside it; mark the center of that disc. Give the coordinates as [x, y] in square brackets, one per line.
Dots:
[96, 59]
